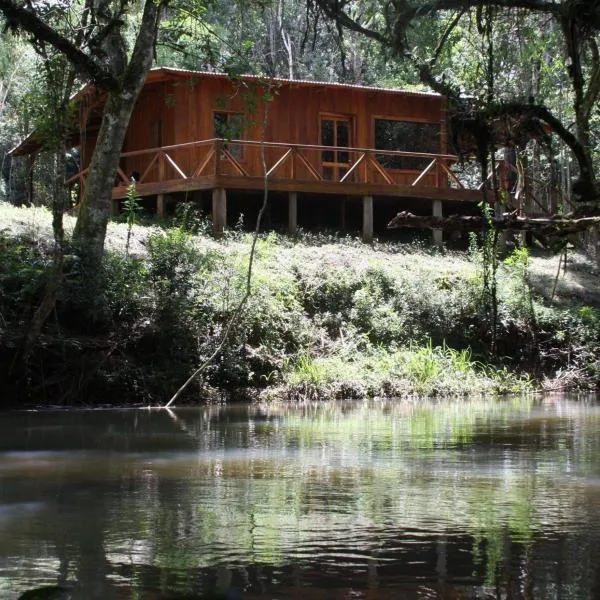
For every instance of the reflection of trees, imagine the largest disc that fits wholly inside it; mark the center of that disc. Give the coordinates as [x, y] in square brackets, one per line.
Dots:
[392, 500]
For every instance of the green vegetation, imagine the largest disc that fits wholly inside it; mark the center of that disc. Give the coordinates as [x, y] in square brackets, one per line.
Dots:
[328, 317]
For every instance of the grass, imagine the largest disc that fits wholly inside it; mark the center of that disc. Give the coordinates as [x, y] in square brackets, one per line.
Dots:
[424, 371]
[329, 316]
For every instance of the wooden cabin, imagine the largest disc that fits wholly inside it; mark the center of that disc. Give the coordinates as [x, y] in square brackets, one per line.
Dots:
[338, 155]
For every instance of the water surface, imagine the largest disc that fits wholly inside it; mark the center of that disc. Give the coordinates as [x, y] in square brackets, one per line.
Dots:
[495, 499]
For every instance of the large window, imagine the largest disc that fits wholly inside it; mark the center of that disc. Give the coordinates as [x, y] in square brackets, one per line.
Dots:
[409, 136]
[230, 126]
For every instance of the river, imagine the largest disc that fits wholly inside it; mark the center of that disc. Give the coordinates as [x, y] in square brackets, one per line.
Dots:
[374, 500]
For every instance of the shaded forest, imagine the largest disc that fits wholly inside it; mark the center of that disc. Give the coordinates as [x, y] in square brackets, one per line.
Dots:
[522, 78]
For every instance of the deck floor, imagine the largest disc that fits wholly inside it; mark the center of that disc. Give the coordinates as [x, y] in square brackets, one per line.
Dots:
[241, 183]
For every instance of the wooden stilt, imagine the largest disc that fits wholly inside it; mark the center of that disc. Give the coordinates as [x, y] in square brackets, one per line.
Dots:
[367, 232]
[438, 234]
[219, 209]
[160, 205]
[343, 214]
[292, 213]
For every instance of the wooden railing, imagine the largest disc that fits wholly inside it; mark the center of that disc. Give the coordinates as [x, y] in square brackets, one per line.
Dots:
[194, 161]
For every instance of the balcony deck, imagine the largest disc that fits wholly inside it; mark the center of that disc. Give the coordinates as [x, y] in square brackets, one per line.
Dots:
[238, 164]
[244, 165]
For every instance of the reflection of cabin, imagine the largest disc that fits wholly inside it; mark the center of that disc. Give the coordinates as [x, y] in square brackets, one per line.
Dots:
[337, 155]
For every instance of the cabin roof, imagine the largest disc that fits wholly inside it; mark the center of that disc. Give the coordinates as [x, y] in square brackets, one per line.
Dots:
[163, 73]
[32, 143]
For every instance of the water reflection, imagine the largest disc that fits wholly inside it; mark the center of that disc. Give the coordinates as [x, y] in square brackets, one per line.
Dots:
[369, 500]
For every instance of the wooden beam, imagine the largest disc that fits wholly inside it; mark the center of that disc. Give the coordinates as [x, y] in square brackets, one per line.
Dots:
[279, 162]
[367, 229]
[207, 182]
[438, 234]
[160, 205]
[377, 166]
[355, 166]
[292, 213]
[204, 163]
[424, 172]
[219, 209]
[174, 165]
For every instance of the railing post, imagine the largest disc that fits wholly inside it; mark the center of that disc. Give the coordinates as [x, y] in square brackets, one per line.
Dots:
[160, 198]
[293, 163]
[218, 150]
[161, 167]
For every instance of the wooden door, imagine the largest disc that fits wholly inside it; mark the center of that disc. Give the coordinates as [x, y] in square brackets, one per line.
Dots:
[336, 131]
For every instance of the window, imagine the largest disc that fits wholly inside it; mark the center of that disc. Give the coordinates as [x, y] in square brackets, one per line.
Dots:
[229, 126]
[335, 131]
[408, 136]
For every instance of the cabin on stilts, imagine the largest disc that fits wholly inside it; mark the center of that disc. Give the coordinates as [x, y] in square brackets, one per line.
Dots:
[331, 155]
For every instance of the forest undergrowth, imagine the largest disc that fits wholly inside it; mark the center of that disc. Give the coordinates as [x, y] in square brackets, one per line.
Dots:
[329, 317]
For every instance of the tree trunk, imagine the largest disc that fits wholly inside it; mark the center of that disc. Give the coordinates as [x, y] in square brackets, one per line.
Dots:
[550, 227]
[94, 211]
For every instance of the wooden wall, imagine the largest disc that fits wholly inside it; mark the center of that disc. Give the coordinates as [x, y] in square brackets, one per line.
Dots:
[180, 109]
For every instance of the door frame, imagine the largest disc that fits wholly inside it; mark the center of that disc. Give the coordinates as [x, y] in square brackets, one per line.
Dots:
[336, 165]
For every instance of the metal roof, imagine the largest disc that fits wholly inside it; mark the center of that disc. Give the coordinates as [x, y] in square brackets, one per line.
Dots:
[31, 144]
[291, 82]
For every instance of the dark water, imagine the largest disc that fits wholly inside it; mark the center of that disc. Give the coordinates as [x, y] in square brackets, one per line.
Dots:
[341, 501]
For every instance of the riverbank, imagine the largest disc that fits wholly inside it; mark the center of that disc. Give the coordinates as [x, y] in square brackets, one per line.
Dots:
[327, 317]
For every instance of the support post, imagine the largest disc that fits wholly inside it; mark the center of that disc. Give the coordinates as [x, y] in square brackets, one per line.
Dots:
[367, 232]
[114, 208]
[343, 214]
[219, 209]
[438, 234]
[292, 213]
[160, 205]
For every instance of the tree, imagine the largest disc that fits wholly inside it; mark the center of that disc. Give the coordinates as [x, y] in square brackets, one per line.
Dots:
[97, 50]
[576, 23]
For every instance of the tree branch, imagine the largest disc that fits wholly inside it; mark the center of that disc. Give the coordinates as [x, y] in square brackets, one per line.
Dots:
[429, 8]
[334, 11]
[593, 88]
[451, 26]
[19, 17]
[550, 227]
[143, 51]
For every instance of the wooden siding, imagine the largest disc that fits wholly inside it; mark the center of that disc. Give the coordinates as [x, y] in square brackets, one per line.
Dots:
[181, 110]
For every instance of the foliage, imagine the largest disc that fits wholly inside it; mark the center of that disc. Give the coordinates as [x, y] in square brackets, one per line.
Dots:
[131, 211]
[190, 218]
[23, 271]
[410, 371]
[381, 321]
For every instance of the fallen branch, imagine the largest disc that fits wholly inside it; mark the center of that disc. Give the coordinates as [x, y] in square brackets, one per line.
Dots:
[544, 226]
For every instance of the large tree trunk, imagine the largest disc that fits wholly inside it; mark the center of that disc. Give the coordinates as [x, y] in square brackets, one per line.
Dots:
[94, 210]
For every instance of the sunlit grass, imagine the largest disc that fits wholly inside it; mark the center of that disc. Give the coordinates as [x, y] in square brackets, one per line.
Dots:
[412, 371]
